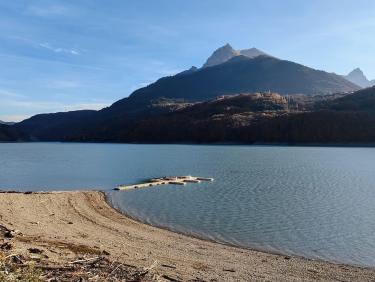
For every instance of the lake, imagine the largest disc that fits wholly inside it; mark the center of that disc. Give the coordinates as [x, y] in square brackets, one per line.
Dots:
[317, 202]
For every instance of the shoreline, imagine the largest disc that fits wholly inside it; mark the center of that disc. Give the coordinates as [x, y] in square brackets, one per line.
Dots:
[255, 144]
[88, 219]
[202, 238]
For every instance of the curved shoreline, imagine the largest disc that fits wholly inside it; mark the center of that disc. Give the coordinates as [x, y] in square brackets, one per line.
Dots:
[228, 244]
[191, 235]
[55, 220]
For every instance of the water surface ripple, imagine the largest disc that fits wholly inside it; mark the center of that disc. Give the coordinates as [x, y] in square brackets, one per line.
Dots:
[317, 202]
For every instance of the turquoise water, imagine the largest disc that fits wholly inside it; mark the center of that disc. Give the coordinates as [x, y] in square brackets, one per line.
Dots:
[310, 201]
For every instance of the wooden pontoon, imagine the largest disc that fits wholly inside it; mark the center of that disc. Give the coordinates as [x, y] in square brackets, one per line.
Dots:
[175, 180]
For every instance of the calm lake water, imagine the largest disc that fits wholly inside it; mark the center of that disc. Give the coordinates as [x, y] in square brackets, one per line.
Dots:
[308, 201]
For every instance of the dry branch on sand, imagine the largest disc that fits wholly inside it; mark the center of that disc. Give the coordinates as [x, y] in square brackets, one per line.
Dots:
[35, 267]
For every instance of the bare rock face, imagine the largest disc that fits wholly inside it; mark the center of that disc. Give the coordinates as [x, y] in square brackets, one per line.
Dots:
[225, 53]
[220, 56]
[252, 53]
[357, 77]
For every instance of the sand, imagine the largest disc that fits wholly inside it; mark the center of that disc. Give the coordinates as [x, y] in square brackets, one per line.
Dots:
[67, 224]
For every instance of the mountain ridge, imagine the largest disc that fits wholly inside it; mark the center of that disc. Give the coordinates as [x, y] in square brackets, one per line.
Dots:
[242, 74]
[170, 103]
[6, 122]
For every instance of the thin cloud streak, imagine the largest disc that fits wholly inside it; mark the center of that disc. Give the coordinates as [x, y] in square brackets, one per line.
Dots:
[22, 58]
[48, 46]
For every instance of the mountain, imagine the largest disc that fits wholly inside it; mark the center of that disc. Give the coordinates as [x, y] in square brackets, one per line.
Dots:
[6, 122]
[9, 134]
[264, 118]
[360, 101]
[198, 103]
[242, 74]
[357, 77]
[225, 53]
[55, 126]
[169, 94]
[241, 118]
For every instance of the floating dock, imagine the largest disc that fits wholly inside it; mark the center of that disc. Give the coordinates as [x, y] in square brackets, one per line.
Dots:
[175, 180]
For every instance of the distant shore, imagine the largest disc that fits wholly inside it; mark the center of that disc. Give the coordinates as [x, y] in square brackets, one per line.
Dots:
[285, 144]
[65, 226]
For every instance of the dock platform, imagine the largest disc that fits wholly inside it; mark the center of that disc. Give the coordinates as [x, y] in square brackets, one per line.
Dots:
[174, 180]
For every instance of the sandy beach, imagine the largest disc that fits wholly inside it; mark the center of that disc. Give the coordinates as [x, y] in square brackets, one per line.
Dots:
[66, 226]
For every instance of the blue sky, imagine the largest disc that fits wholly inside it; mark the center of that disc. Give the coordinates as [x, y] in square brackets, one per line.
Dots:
[69, 55]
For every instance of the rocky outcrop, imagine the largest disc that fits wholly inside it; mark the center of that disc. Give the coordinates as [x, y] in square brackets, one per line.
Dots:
[220, 56]
[358, 77]
[225, 53]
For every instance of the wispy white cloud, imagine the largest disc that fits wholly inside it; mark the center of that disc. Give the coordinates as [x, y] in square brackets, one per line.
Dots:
[45, 45]
[23, 58]
[70, 51]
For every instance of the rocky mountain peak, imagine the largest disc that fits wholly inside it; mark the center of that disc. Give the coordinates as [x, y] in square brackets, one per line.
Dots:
[221, 55]
[226, 52]
[358, 77]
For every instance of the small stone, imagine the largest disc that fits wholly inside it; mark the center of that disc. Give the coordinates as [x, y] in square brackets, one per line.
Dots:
[35, 257]
[17, 259]
[8, 234]
[35, 250]
[17, 232]
[6, 246]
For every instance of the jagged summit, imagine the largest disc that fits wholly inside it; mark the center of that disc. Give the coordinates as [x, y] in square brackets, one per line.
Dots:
[221, 55]
[358, 77]
[226, 52]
